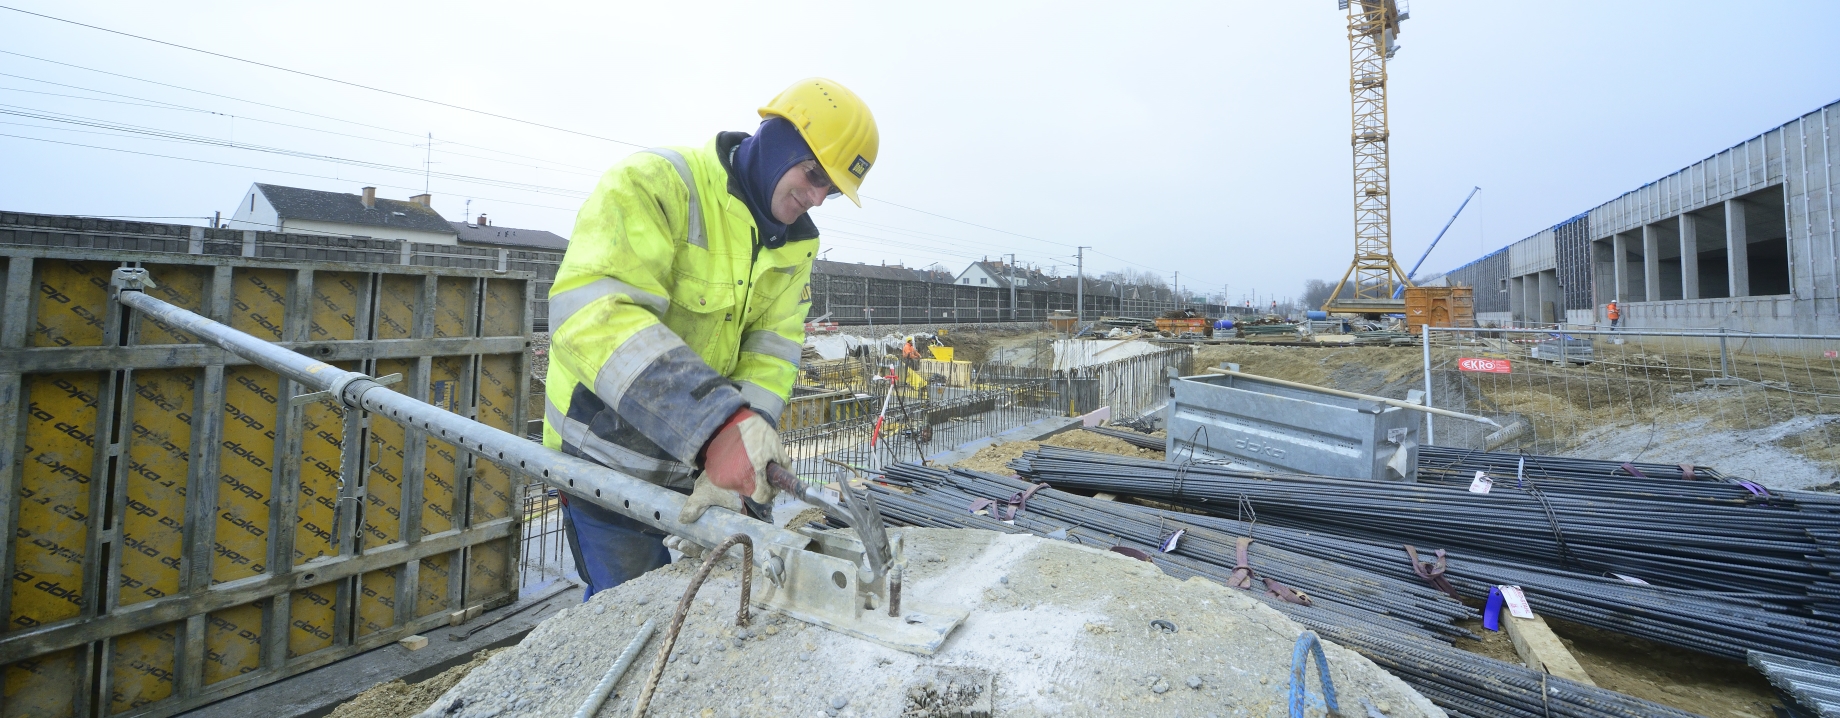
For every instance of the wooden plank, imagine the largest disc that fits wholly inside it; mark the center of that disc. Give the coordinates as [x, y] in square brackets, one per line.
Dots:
[1541, 650]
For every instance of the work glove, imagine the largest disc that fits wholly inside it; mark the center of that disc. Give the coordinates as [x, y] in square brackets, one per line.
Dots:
[735, 465]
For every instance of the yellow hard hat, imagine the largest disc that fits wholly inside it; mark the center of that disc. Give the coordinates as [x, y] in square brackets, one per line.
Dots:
[835, 124]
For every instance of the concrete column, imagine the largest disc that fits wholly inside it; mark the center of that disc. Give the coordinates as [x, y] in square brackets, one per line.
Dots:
[1737, 249]
[1651, 263]
[1619, 246]
[1689, 256]
[1517, 308]
[1549, 298]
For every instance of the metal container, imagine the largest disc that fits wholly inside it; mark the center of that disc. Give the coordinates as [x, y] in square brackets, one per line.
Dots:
[1440, 307]
[1279, 428]
[180, 528]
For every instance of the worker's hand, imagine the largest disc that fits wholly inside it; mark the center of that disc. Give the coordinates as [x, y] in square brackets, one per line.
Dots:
[705, 495]
[737, 457]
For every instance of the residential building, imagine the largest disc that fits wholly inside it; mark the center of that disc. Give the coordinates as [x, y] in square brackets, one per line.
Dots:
[294, 210]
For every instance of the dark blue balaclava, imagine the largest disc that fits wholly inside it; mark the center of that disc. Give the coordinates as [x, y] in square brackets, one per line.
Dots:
[759, 163]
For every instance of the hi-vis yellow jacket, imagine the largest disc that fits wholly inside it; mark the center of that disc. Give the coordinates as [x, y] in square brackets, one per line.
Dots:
[669, 313]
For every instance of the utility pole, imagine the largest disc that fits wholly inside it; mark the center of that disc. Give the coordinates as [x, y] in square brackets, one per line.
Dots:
[1178, 291]
[1079, 284]
[1012, 286]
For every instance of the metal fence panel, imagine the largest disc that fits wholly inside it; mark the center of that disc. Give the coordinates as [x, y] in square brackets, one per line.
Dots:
[179, 530]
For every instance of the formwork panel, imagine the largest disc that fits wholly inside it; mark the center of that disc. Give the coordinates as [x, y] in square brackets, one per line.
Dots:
[182, 286]
[233, 642]
[336, 309]
[245, 473]
[141, 667]
[431, 585]
[71, 297]
[52, 529]
[40, 687]
[258, 301]
[322, 441]
[377, 601]
[158, 461]
[312, 619]
[218, 479]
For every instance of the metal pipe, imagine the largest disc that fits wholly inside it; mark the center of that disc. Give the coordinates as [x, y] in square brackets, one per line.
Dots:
[1352, 395]
[604, 688]
[649, 503]
[1430, 432]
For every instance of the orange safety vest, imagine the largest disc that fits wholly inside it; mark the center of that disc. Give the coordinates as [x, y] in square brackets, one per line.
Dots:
[1611, 311]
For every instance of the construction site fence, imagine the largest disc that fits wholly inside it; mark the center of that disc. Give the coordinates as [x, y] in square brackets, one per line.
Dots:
[920, 421]
[1587, 392]
[182, 526]
[855, 300]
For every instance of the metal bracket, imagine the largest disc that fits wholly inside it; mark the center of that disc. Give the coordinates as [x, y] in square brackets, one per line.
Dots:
[300, 400]
[833, 587]
[133, 279]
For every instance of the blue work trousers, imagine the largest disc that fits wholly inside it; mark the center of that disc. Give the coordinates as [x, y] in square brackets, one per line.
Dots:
[610, 549]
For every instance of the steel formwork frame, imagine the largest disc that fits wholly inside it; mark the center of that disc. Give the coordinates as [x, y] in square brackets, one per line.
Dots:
[1371, 27]
[191, 530]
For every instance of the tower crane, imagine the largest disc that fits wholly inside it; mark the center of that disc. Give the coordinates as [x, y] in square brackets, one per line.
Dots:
[1371, 278]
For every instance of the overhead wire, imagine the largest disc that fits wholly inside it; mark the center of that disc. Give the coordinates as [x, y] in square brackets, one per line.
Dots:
[486, 113]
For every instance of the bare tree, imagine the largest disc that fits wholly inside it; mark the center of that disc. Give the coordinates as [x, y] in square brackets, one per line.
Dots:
[1316, 293]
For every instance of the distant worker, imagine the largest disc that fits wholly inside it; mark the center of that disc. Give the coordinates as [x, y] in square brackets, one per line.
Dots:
[1613, 314]
[678, 315]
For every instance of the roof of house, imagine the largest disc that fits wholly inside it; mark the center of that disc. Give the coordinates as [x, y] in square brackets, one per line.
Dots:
[509, 236]
[314, 205]
[870, 271]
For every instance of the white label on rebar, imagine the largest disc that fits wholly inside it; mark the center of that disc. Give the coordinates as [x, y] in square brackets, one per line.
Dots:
[1516, 601]
[1481, 484]
[1630, 579]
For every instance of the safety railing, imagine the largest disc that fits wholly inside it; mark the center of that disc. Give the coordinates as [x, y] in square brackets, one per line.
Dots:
[1642, 395]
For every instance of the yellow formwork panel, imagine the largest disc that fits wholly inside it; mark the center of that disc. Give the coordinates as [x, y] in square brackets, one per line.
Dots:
[141, 667]
[488, 572]
[335, 305]
[377, 600]
[51, 537]
[245, 472]
[71, 300]
[232, 642]
[184, 286]
[431, 584]
[442, 463]
[489, 564]
[503, 309]
[396, 300]
[311, 614]
[385, 458]
[43, 686]
[159, 458]
[322, 439]
[453, 306]
[258, 301]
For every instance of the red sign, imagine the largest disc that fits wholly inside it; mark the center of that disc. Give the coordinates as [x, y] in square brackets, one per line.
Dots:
[1494, 366]
[1830, 354]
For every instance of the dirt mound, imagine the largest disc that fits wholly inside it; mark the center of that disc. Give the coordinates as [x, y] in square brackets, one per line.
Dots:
[397, 699]
[995, 458]
[1060, 629]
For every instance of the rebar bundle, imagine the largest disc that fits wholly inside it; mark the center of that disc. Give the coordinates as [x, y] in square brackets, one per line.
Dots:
[1399, 623]
[1719, 576]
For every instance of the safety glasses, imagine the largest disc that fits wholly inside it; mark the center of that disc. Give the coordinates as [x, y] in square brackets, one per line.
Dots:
[816, 176]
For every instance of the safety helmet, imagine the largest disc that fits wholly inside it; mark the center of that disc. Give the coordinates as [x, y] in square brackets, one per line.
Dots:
[835, 124]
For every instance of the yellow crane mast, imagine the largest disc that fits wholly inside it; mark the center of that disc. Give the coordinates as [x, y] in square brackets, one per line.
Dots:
[1370, 279]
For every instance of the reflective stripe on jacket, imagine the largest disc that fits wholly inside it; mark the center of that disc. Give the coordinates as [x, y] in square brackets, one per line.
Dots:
[667, 315]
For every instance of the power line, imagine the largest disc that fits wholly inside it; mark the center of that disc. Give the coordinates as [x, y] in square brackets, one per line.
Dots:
[264, 169]
[325, 78]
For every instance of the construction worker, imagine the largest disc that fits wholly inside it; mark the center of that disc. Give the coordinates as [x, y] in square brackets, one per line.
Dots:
[1612, 313]
[678, 315]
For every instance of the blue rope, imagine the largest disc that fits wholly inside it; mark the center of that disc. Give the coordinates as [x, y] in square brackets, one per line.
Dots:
[1300, 665]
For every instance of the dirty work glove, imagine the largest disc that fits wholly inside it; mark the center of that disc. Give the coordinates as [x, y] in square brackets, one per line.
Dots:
[704, 495]
[735, 465]
[690, 549]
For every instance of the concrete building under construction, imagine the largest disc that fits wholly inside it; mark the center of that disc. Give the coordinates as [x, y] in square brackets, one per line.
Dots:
[1744, 239]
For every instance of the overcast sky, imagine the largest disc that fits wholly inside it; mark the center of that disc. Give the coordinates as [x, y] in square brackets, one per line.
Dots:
[1209, 138]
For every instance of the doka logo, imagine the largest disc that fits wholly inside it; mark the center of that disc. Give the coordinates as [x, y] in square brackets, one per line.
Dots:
[860, 167]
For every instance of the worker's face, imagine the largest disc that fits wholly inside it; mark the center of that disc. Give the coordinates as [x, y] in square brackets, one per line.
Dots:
[803, 187]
